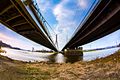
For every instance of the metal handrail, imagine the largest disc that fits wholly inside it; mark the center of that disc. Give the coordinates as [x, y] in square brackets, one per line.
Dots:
[44, 22]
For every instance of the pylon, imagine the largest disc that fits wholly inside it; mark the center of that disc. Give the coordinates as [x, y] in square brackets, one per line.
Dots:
[56, 42]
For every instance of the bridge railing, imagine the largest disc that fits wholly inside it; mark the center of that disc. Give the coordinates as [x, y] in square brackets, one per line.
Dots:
[42, 19]
[86, 17]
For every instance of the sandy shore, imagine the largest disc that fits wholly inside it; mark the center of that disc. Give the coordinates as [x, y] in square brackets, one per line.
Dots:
[107, 68]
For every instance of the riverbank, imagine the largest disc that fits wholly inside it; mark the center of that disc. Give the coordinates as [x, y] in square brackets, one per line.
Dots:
[2, 51]
[100, 69]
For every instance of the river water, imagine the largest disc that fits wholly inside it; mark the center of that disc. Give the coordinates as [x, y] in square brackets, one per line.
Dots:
[28, 56]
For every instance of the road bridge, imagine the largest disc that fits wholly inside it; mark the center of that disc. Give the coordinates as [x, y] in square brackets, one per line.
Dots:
[103, 20]
[24, 20]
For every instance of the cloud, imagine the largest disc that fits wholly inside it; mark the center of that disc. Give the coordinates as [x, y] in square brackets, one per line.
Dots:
[18, 41]
[61, 12]
[12, 41]
[65, 14]
[65, 23]
[82, 4]
[44, 5]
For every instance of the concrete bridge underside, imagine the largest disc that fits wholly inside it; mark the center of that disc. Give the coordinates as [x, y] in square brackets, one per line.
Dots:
[14, 15]
[103, 20]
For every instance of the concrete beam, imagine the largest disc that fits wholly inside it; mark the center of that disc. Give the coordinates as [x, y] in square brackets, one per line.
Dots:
[19, 24]
[13, 18]
[5, 10]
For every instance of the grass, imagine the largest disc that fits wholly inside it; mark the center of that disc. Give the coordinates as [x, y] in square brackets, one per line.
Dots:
[99, 69]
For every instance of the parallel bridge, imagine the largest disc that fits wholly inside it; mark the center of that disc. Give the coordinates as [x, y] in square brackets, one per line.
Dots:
[14, 15]
[103, 20]
[24, 20]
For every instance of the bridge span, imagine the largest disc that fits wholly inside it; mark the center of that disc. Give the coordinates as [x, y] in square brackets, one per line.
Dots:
[14, 14]
[103, 20]
[22, 17]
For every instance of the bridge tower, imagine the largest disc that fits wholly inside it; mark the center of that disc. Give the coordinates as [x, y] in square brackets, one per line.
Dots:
[56, 42]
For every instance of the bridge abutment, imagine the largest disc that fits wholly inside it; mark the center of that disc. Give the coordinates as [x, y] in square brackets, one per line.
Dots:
[73, 55]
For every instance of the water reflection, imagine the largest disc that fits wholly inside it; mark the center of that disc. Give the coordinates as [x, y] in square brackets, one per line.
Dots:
[98, 54]
[54, 58]
[57, 58]
[73, 59]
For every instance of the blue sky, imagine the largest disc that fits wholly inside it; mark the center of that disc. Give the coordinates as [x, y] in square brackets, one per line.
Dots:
[64, 16]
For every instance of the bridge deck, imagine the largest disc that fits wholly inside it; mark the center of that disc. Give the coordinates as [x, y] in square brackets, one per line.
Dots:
[14, 15]
[102, 21]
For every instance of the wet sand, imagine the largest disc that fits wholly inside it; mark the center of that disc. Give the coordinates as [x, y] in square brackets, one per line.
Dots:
[100, 69]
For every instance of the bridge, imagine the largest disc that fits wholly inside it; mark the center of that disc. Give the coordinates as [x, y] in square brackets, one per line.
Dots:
[24, 18]
[103, 20]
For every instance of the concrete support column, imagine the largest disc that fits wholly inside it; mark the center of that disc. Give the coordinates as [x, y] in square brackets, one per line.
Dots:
[73, 55]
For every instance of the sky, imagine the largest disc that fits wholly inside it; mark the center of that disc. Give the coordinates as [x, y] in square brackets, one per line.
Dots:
[64, 16]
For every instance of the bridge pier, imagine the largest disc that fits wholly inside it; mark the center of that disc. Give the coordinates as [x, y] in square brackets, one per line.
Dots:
[73, 55]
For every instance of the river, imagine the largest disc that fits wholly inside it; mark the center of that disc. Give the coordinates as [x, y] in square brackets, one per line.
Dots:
[28, 56]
